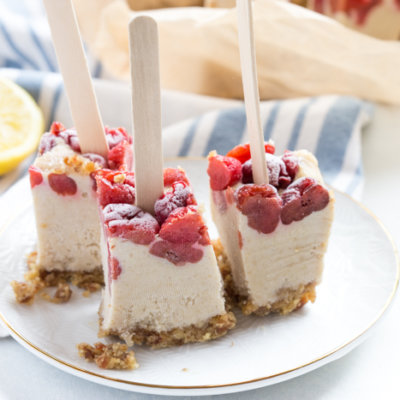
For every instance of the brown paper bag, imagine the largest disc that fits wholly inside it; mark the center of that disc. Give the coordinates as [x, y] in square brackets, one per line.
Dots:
[299, 52]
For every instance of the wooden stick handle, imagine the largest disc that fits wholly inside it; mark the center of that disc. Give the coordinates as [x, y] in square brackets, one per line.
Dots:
[250, 89]
[74, 69]
[146, 108]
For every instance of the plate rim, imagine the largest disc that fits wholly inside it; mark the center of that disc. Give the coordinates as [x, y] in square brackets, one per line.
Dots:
[129, 384]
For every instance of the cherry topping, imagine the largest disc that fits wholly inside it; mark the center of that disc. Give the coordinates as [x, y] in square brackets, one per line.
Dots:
[301, 198]
[185, 225]
[117, 135]
[130, 222]
[96, 158]
[115, 268]
[115, 187]
[62, 184]
[262, 206]
[291, 162]
[223, 171]
[177, 253]
[56, 128]
[71, 138]
[180, 196]
[120, 156]
[47, 142]
[277, 173]
[35, 176]
[242, 151]
[172, 175]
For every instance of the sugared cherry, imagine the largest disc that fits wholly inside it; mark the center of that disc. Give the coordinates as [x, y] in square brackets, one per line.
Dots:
[277, 173]
[130, 222]
[291, 162]
[180, 196]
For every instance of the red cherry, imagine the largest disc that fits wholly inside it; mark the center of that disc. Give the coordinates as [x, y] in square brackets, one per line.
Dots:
[172, 175]
[262, 206]
[115, 268]
[117, 135]
[120, 156]
[302, 198]
[242, 151]
[35, 176]
[291, 162]
[184, 225]
[62, 184]
[223, 171]
[130, 222]
[47, 142]
[177, 253]
[277, 173]
[110, 191]
[56, 128]
[180, 196]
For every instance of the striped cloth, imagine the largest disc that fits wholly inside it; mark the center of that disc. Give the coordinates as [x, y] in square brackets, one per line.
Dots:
[329, 126]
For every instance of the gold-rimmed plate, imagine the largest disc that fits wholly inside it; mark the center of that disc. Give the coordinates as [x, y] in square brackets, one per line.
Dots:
[360, 279]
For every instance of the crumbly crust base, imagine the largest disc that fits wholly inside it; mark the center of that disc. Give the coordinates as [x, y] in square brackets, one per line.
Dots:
[111, 356]
[37, 279]
[214, 328]
[289, 299]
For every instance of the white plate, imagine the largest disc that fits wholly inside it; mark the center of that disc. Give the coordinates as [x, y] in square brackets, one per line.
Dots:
[360, 279]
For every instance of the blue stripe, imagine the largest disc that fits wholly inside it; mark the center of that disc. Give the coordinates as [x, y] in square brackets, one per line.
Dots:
[54, 105]
[31, 81]
[187, 142]
[13, 46]
[228, 131]
[9, 63]
[98, 69]
[335, 135]
[269, 126]
[294, 137]
[42, 51]
[357, 179]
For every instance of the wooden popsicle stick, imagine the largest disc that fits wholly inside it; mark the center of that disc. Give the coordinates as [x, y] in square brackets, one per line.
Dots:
[250, 89]
[77, 81]
[146, 108]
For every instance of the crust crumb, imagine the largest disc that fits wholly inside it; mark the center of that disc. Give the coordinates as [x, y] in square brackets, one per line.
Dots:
[25, 291]
[37, 279]
[62, 294]
[111, 356]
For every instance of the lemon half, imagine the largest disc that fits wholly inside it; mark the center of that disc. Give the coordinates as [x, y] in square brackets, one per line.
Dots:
[21, 125]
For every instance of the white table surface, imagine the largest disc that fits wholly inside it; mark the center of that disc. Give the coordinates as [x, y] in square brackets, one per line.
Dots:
[371, 371]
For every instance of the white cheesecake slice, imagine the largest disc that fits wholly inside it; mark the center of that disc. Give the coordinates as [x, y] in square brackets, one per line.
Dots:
[273, 237]
[64, 200]
[163, 286]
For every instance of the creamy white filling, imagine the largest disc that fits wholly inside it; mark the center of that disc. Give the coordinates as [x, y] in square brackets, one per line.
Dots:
[152, 293]
[67, 226]
[286, 258]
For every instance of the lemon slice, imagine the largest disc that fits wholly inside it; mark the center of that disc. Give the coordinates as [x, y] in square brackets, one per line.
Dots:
[21, 125]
